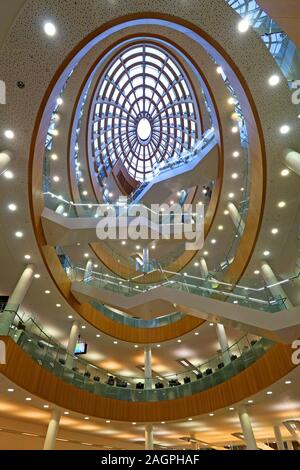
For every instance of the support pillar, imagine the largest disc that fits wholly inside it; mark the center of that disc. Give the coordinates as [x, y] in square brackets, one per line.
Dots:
[290, 445]
[223, 341]
[247, 429]
[145, 259]
[149, 437]
[88, 269]
[236, 218]
[16, 299]
[71, 344]
[5, 159]
[270, 279]
[52, 430]
[148, 367]
[278, 437]
[292, 160]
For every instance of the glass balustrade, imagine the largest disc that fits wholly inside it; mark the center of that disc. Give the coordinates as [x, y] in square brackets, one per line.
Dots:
[259, 299]
[43, 349]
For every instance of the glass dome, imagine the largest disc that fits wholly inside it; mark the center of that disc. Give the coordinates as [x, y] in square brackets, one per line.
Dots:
[144, 111]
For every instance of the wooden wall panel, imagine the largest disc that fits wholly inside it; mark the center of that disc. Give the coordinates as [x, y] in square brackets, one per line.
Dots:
[26, 373]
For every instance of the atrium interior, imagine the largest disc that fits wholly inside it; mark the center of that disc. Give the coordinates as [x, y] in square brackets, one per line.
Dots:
[150, 225]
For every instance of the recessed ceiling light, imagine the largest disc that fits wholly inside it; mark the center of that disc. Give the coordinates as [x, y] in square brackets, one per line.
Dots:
[96, 266]
[226, 212]
[250, 401]
[231, 195]
[211, 324]
[185, 274]
[83, 327]
[214, 241]
[12, 207]
[274, 231]
[47, 291]
[211, 414]
[9, 134]
[231, 100]
[236, 154]
[243, 25]
[234, 176]
[285, 129]
[56, 178]
[115, 342]
[190, 419]
[274, 80]
[269, 392]
[27, 257]
[98, 336]
[162, 422]
[70, 317]
[107, 421]
[234, 129]
[235, 301]
[55, 132]
[153, 247]
[288, 382]
[179, 341]
[242, 189]
[134, 423]
[266, 253]
[231, 408]
[197, 333]
[137, 247]
[136, 346]
[123, 242]
[50, 29]
[86, 418]
[66, 413]
[281, 204]
[205, 253]
[81, 180]
[58, 305]
[8, 175]
[86, 255]
[28, 399]
[59, 101]
[285, 172]
[256, 272]
[220, 227]
[84, 193]
[45, 406]
[196, 264]
[19, 234]
[158, 345]
[54, 156]
[219, 70]
[10, 390]
[37, 276]
[171, 202]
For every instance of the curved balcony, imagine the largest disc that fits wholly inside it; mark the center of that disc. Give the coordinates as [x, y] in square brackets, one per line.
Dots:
[73, 370]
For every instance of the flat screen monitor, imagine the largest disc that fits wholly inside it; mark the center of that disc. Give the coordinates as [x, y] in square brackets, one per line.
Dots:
[80, 348]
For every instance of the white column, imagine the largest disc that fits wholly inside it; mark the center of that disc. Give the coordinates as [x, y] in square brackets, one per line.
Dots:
[247, 429]
[60, 209]
[270, 279]
[145, 259]
[220, 330]
[236, 218]
[278, 437]
[148, 367]
[292, 160]
[5, 158]
[223, 342]
[88, 269]
[71, 344]
[16, 299]
[149, 437]
[52, 430]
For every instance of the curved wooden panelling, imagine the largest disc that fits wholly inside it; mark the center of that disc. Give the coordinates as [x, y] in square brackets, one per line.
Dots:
[105, 324]
[26, 373]
[258, 170]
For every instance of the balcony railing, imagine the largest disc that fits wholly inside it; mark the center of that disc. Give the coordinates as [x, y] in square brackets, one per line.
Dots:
[43, 349]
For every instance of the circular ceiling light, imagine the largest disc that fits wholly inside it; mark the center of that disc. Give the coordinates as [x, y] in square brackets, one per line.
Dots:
[50, 29]
[243, 26]
[9, 134]
[144, 111]
[274, 80]
[285, 129]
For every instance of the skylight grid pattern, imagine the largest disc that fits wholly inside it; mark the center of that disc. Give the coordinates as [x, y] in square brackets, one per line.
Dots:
[144, 111]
